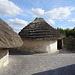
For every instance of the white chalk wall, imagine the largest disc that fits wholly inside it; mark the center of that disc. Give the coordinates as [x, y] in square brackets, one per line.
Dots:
[49, 46]
[4, 58]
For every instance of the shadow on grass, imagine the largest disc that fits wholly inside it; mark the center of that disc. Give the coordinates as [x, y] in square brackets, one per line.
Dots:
[67, 70]
[16, 52]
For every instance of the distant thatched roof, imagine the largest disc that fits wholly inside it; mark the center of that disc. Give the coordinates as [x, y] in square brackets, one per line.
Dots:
[8, 38]
[39, 29]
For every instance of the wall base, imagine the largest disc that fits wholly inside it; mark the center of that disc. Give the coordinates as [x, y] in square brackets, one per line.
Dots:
[39, 46]
[4, 58]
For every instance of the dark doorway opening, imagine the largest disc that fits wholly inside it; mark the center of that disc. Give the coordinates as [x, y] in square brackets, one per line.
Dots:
[59, 44]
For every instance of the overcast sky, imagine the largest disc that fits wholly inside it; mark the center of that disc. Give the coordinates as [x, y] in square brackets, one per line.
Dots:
[19, 13]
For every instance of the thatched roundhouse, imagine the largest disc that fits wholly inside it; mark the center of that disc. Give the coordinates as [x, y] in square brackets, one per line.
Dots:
[8, 40]
[39, 36]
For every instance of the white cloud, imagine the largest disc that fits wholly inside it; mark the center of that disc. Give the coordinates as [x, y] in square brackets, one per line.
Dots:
[59, 13]
[50, 21]
[72, 8]
[66, 26]
[16, 28]
[8, 8]
[16, 22]
[34, 16]
[38, 11]
[73, 20]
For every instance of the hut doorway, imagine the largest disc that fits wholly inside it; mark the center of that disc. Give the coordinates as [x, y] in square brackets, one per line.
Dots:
[59, 44]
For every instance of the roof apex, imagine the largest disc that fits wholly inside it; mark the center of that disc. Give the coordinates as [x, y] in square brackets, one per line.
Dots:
[38, 20]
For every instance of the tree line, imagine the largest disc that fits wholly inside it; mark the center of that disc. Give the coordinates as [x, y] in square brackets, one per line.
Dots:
[67, 32]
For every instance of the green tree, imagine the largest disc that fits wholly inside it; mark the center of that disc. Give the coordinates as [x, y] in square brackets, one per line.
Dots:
[61, 31]
[67, 32]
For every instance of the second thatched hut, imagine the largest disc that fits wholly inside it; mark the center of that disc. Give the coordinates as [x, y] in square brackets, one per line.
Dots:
[39, 36]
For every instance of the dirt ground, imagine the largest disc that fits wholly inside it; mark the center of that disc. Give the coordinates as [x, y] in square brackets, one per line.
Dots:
[62, 63]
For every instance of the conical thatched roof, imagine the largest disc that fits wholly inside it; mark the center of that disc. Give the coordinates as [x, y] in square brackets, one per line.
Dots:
[39, 29]
[8, 38]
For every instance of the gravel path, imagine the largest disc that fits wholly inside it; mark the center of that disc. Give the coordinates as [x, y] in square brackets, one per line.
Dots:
[41, 64]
